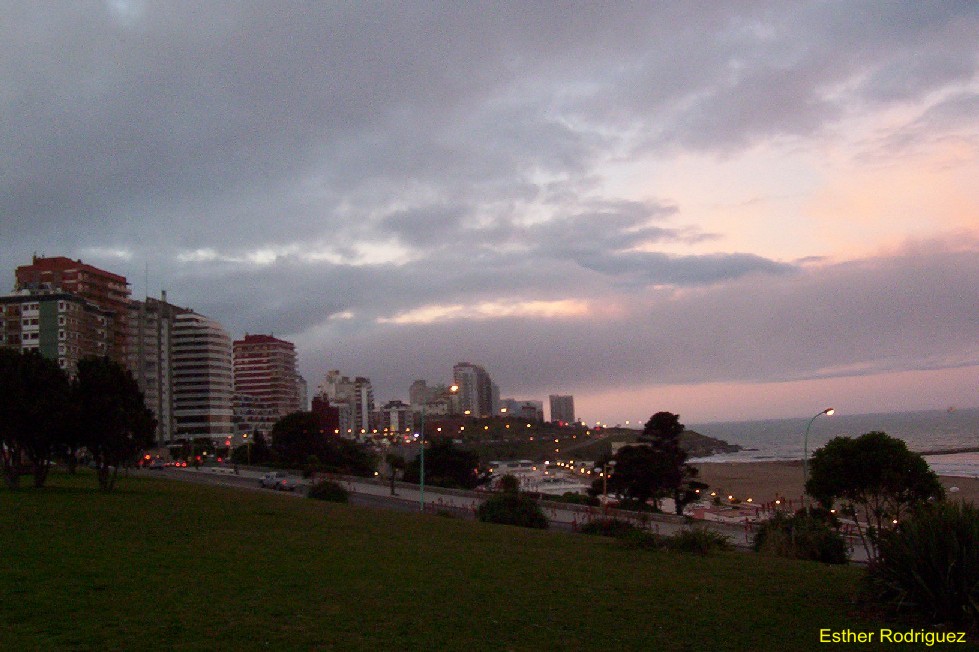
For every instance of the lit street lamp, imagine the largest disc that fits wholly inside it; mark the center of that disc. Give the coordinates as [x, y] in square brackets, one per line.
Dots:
[805, 446]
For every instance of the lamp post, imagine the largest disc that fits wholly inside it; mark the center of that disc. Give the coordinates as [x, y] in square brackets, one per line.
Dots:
[606, 470]
[805, 446]
[421, 457]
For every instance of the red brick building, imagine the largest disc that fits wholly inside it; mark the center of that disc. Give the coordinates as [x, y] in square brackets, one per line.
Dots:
[265, 369]
[108, 291]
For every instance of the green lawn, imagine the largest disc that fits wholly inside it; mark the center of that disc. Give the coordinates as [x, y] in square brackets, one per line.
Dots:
[161, 564]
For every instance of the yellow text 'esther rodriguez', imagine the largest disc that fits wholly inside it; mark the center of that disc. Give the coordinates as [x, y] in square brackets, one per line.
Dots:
[913, 636]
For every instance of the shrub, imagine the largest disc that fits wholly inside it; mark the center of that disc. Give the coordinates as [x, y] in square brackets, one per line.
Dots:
[698, 540]
[508, 484]
[512, 509]
[328, 490]
[574, 498]
[644, 540]
[930, 563]
[311, 466]
[633, 505]
[801, 536]
[608, 527]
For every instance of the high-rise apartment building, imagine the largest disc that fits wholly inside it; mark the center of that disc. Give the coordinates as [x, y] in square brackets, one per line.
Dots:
[59, 325]
[150, 358]
[529, 410]
[475, 389]
[265, 369]
[202, 378]
[108, 291]
[302, 388]
[396, 416]
[250, 416]
[562, 409]
[353, 398]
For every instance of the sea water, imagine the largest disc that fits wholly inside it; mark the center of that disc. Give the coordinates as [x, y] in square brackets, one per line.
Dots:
[782, 439]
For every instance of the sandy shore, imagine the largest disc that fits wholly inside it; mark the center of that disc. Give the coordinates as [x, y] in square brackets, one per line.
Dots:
[763, 481]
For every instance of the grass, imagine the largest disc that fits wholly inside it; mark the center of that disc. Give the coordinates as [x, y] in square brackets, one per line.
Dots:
[161, 564]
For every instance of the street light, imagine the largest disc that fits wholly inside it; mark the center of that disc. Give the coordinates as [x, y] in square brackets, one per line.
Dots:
[248, 448]
[606, 470]
[805, 446]
[421, 457]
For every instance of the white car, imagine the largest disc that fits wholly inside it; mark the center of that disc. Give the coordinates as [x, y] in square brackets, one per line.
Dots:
[277, 480]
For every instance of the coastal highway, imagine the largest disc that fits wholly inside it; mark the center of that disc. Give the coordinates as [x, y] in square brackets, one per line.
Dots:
[376, 494]
[463, 504]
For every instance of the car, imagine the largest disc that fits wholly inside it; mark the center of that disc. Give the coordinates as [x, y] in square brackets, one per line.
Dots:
[277, 480]
[156, 465]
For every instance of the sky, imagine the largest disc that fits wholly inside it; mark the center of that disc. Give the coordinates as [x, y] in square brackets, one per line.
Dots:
[723, 210]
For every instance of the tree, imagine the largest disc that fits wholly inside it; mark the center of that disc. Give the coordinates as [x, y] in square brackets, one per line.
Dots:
[446, 466]
[662, 426]
[875, 479]
[112, 418]
[33, 413]
[396, 464]
[298, 435]
[295, 437]
[657, 467]
[637, 473]
[256, 451]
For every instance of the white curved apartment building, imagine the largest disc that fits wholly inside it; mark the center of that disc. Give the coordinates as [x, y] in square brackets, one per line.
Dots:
[202, 378]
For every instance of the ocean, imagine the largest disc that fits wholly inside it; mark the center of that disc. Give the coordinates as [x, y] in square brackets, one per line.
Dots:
[929, 431]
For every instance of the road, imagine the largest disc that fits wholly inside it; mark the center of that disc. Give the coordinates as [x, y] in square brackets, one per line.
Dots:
[377, 494]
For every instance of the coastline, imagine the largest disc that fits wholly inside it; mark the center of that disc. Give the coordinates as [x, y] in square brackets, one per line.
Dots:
[763, 481]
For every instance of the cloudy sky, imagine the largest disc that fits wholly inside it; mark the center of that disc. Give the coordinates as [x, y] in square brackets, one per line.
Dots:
[725, 210]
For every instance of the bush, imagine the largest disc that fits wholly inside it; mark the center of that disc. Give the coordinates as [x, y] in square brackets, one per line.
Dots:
[512, 509]
[930, 563]
[802, 536]
[644, 540]
[608, 527]
[328, 490]
[698, 540]
[574, 498]
[508, 484]
[311, 466]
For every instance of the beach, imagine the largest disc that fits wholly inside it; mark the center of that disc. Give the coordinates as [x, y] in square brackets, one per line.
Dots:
[764, 481]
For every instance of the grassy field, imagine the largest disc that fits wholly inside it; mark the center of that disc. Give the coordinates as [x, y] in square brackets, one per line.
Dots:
[161, 564]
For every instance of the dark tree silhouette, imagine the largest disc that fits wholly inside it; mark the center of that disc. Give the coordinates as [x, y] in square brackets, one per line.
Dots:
[873, 477]
[656, 467]
[298, 435]
[33, 411]
[112, 418]
[396, 464]
[446, 466]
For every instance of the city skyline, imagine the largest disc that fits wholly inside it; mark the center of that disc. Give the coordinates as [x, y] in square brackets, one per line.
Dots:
[724, 211]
